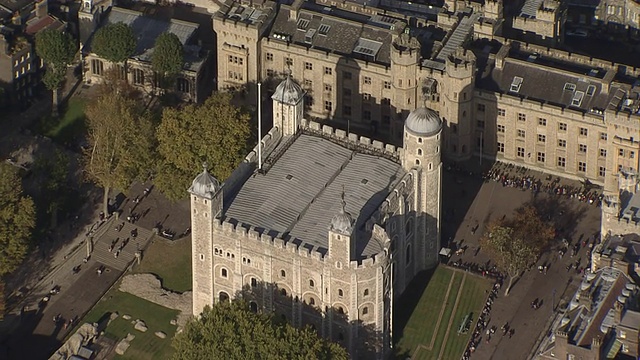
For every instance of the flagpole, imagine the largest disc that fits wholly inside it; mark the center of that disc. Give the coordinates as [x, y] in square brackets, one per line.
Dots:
[259, 127]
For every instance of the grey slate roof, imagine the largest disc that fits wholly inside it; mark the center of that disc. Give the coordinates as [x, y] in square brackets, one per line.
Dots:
[342, 36]
[538, 83]
[147, 29]
[530, 8]
[301, 192]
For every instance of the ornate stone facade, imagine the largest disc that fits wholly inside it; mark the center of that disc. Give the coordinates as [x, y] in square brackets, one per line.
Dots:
[337, 272]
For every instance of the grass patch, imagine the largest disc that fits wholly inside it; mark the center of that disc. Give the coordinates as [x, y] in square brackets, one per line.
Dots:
[421, 332]
[170, 261]
[146, 345]
[69, 127]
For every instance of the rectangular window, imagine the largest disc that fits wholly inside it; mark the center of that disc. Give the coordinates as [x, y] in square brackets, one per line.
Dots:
[328, 106]
[562, 143]
[521, 133]
[582, 166]
[502, 112]
[288, 61]
[480, 124]
[346, 75]
[346, 110]
[501, 148]
[520, 152]
[603, 136]
[346, 92]
[138, 76]
[366, 97]
[270, 72]
[366, 80]
[541, 157]
[562, 126]
[269, 57]
[308, 66]
[542, 138]
[386, 102]
[562, 162]
[621, 152]
[97, 67]
[327, 87]
[387, 85]
[542, 121]
[632, 154]
[582, 148]
[308, 83]
[603, 153]
[522, 117]
[481, 107]
[328, 71]
[583, 131]
[602, 171]
[501, 128]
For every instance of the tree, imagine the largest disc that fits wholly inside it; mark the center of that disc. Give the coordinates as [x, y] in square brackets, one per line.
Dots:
[55, 185]
[17, 220]
[512, 255]
[530, 226]
[115, 43]
[231, 331]
[57, 50]
[121, 143]
[167, 59]
[216, 132]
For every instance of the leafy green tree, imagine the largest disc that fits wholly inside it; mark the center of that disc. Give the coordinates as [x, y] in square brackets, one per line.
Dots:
[115, 43]
[231, 331]
[57, 50]
[17, 220]
[167, 59]
[216, 132]
[121, 143]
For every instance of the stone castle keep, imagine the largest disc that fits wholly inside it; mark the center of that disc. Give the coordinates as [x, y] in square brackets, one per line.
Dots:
[329, 232]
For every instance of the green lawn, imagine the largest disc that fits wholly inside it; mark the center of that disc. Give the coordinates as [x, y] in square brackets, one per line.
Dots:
[69, 126]
[170, 261]
[418, 339]
[146, 345]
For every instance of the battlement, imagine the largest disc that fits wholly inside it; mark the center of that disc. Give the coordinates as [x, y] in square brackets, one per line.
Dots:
[461, 64]
[353, 141]
[269, 142]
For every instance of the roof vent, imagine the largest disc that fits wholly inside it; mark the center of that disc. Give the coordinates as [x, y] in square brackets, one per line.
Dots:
[364, 181]
[289, 177]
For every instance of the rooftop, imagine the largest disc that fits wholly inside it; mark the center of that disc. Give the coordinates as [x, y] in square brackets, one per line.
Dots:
[15, 5]
[299, 195]
[530, 8]
[147, 29]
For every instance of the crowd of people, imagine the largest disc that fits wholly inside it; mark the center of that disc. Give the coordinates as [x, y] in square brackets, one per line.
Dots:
[483, 323]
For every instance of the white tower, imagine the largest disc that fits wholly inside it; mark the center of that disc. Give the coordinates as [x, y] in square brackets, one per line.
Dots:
[421, 155]
[288, 106]
[206, 204]
[341, 237]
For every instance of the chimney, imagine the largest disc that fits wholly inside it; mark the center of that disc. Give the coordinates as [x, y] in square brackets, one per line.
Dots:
[618, 311]
[502, 55]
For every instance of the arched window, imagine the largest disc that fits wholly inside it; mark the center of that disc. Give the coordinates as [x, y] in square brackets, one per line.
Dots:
[313, 327]
[254, 282]
[408, 254]
[312, 301]
[419, 140]
[408, 227]
[312, 283]
[253, 306]
[430, 166]
[283, 292]
[366, 292]
[283, 273]
[224, 297]
[417, 161]
[340, 310]
[223, 273]
[419, 152]
[340, 293]
[365, 310]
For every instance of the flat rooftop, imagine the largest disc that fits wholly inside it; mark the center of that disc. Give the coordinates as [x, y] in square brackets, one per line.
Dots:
[299, 195]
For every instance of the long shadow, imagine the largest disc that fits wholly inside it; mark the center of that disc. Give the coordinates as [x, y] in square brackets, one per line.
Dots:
[408, 302]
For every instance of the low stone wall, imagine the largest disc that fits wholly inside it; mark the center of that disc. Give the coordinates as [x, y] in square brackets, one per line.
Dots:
[148, 287]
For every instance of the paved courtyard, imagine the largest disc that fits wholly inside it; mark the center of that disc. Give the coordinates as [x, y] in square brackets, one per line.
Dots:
[470, 202]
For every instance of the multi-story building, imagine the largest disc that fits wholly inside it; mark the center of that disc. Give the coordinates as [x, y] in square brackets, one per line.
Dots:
[541, 19]
[327, 229]
[191, 84]
[18, 70]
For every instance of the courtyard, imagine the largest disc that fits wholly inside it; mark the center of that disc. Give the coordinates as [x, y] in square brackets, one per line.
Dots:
[450, 299]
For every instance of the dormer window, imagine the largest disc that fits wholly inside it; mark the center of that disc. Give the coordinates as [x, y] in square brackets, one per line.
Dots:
[516, 84]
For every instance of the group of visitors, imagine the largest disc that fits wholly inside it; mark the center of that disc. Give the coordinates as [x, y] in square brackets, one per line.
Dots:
[483, 323]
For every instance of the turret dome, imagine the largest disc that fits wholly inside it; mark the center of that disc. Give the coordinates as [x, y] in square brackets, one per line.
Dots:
[204, 185]
[288, 92]
[423, 122]
[342, 222]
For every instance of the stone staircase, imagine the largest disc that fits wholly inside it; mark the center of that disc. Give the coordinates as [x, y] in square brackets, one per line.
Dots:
[127, 254]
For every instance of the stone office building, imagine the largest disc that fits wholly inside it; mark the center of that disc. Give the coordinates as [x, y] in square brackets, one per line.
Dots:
[328, 232]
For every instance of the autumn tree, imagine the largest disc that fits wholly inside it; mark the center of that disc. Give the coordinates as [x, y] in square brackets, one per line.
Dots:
[231, 331]
[167, 59]
[17, 220]
[115, 43]
[121, 143]
[57, 50]
[515, 244]
[216, 132]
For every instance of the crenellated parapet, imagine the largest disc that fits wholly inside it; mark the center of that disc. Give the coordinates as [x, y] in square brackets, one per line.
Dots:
[353, 141]
[269, 142]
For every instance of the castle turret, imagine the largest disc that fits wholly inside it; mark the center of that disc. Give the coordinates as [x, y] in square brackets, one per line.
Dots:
[206, 204]
[421, 154]
[457, 112]
[288, 106]
[405, 57]
[341, 236]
